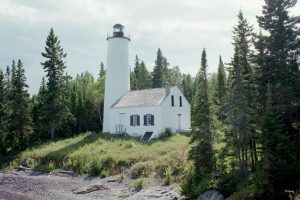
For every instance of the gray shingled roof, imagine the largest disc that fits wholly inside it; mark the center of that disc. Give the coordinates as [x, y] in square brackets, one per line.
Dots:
[139, 98]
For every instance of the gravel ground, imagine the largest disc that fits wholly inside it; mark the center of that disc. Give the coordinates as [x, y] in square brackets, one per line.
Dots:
[20, 185]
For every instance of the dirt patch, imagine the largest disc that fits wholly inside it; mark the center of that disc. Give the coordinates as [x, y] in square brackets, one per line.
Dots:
[30, 185]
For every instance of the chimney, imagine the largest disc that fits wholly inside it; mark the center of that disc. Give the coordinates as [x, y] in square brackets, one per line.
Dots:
[168, 88]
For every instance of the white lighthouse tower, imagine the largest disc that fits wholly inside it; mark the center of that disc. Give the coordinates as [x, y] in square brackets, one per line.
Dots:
[117, 79]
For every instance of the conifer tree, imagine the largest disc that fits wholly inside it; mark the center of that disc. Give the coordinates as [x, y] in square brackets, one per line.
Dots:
[237, 115]
[54, 67]
[201, 153]
[2, 116]
[20, 121]
[102, 71]
[134, 78]
[221, 89]
[281, 63]
[144, 77]
[158, 70]
[187, 85]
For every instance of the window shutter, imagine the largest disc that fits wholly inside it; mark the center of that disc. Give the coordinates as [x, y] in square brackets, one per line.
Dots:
[152, 119]
[180, 101]
[145, 120]
[138, 120]
[172, 100]
[131, 120]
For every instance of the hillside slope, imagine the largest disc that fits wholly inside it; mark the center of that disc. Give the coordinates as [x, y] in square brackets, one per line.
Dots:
[100, 154]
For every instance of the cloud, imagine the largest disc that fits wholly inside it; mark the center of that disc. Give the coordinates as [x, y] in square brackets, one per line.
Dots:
[181, 28]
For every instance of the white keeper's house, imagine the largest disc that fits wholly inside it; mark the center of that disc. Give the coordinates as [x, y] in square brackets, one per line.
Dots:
[141, 113]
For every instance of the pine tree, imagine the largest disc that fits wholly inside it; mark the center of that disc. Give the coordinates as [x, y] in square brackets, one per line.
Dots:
[134, 79]
[144, 77]
[237, 115]
[20, 121]
[174, 76]
[221, 89]
[276, 152]
[54, 66]
[201, 153]
[187, 86]
[3, 144]
[158, 70]
[102, 71]
[281, 64]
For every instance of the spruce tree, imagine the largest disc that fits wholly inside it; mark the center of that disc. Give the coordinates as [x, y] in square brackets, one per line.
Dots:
[221, 89]
[134, 79]
[3, 144]
[202, 152]
[187, 86]
[20, 119]
[281, 61]
[54, 67]
[237, 116]
[158, 70]
[144, 77]
[102, 71]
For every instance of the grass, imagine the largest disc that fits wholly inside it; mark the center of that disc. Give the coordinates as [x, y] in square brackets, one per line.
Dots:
[104, 154]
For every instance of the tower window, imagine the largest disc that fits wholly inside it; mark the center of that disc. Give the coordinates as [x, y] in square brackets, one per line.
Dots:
[172, 101]
[149, 120]
[134, 120]
[180, 101]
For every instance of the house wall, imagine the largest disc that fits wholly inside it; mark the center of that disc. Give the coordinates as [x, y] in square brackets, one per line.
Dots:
[165, 116]
[170, 113]
[136, 131]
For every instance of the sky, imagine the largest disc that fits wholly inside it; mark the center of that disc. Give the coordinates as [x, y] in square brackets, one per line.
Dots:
[181, 28]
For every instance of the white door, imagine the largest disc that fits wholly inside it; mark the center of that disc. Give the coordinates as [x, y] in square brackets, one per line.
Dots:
[179, 121]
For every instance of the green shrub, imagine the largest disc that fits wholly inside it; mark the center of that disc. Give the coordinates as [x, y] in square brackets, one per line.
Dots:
[142, 169]
[138, 184]
[95, 168]
[247, 193]
[166, 134]
[168, 176]
[174, 161]
[193, 185]
[104, 174]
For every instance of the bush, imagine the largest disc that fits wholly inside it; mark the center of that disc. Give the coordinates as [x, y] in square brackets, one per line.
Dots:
[168, 176]
[166, 134]
[138, 184]
[95, 168]
[142, 169]
[193, 185]
[175, 163]
[247, 193]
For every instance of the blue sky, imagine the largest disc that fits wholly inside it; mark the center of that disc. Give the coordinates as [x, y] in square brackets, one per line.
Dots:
[181, 28]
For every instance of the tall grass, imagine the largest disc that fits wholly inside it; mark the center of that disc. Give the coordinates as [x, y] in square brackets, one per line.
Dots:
[105, 154]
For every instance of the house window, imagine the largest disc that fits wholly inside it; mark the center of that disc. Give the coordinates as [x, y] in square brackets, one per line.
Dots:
[180, 101]
[134, 120]
[149, 120]
[172, 101]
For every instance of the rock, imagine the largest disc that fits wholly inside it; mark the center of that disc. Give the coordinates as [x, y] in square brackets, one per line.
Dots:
[212, 195]
[22, 168]
[90, 188]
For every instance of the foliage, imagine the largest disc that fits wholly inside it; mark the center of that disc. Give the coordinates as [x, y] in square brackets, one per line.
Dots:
[167, 176]
[93, 153]
[201, 153]
[56, 112]
[166, 134]
[141, 169]
[138, 184]
[140, 77]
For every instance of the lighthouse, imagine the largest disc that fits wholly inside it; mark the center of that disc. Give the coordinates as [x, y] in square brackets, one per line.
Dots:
[117, 80]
